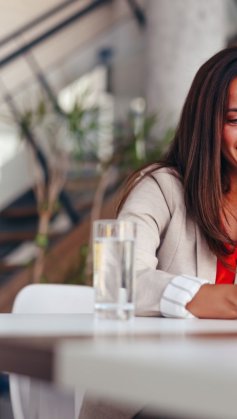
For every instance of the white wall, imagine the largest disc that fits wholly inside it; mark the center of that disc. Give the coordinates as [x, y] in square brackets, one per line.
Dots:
[181, 35]
[16, 176]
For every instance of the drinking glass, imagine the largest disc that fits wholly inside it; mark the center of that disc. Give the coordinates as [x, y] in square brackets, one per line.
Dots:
[113, 268]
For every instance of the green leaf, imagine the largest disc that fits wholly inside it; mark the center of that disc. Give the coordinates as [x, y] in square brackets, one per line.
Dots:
[42, 240]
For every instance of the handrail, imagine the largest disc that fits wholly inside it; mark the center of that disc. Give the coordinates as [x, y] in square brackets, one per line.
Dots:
[36, 21]
[19, 51]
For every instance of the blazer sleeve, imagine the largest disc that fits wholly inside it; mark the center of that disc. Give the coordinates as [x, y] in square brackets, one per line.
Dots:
[150, 205]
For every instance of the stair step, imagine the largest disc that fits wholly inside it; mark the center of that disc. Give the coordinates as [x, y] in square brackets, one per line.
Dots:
[18, 236]
[27, 211]
[31, 210]
[4, 268]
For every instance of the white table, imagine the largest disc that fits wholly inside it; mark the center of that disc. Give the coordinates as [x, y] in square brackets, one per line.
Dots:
[182, 366]
[85, 325]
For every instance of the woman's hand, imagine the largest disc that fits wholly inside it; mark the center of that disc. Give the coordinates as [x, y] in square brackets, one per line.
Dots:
[214, 302]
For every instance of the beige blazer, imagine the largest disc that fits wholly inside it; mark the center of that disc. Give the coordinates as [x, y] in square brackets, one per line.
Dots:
[168, 243]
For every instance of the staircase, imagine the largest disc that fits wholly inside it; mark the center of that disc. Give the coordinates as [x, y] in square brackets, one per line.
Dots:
[51, 50]
[19, 223]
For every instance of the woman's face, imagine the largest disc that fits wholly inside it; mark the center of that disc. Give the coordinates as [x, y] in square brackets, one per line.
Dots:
[229, 139]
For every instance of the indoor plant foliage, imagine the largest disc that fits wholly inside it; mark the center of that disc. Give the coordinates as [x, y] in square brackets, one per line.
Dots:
[50, 137]
[60, 137]
[72, 137]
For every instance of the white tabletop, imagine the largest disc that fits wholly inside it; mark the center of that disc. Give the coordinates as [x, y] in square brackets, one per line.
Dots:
[37, 325]
[185, 366]
[193, 377]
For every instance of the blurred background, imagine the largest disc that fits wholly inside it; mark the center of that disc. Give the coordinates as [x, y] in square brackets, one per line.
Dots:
[89, 91]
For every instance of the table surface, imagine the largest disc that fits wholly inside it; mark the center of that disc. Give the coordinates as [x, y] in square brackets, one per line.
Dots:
[181, 365]
[86, 325]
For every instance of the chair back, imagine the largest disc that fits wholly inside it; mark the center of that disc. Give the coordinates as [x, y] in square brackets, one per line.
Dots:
[30, 398]
[54, 298]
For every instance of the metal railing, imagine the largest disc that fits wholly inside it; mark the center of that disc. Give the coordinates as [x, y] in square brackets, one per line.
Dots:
[49, 32]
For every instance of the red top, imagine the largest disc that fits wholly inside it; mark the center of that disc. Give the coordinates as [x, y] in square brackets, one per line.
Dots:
[223, 274]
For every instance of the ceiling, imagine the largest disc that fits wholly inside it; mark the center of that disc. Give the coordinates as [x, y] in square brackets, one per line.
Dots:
[15, 13]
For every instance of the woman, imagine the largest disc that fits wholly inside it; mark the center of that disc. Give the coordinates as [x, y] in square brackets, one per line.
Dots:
[186, 206]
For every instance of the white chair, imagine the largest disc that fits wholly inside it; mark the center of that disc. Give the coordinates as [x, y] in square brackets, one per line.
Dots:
[32, 399]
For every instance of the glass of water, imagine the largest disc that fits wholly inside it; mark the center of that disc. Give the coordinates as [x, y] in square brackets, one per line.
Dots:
[113, 273]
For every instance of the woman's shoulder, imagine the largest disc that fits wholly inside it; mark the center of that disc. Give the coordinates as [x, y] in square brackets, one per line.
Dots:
[167, 178]
[156, 189]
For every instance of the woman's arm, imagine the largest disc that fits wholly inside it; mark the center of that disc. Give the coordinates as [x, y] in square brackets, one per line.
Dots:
[158, 291]
[214, 302]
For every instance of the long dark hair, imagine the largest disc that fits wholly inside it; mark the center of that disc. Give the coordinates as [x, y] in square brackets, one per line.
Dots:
[195, 152]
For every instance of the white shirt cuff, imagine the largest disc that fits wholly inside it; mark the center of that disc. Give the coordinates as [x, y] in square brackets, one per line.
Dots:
[178, 293]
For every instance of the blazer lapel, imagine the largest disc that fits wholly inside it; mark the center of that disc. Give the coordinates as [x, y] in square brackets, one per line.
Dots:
[206, 260]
